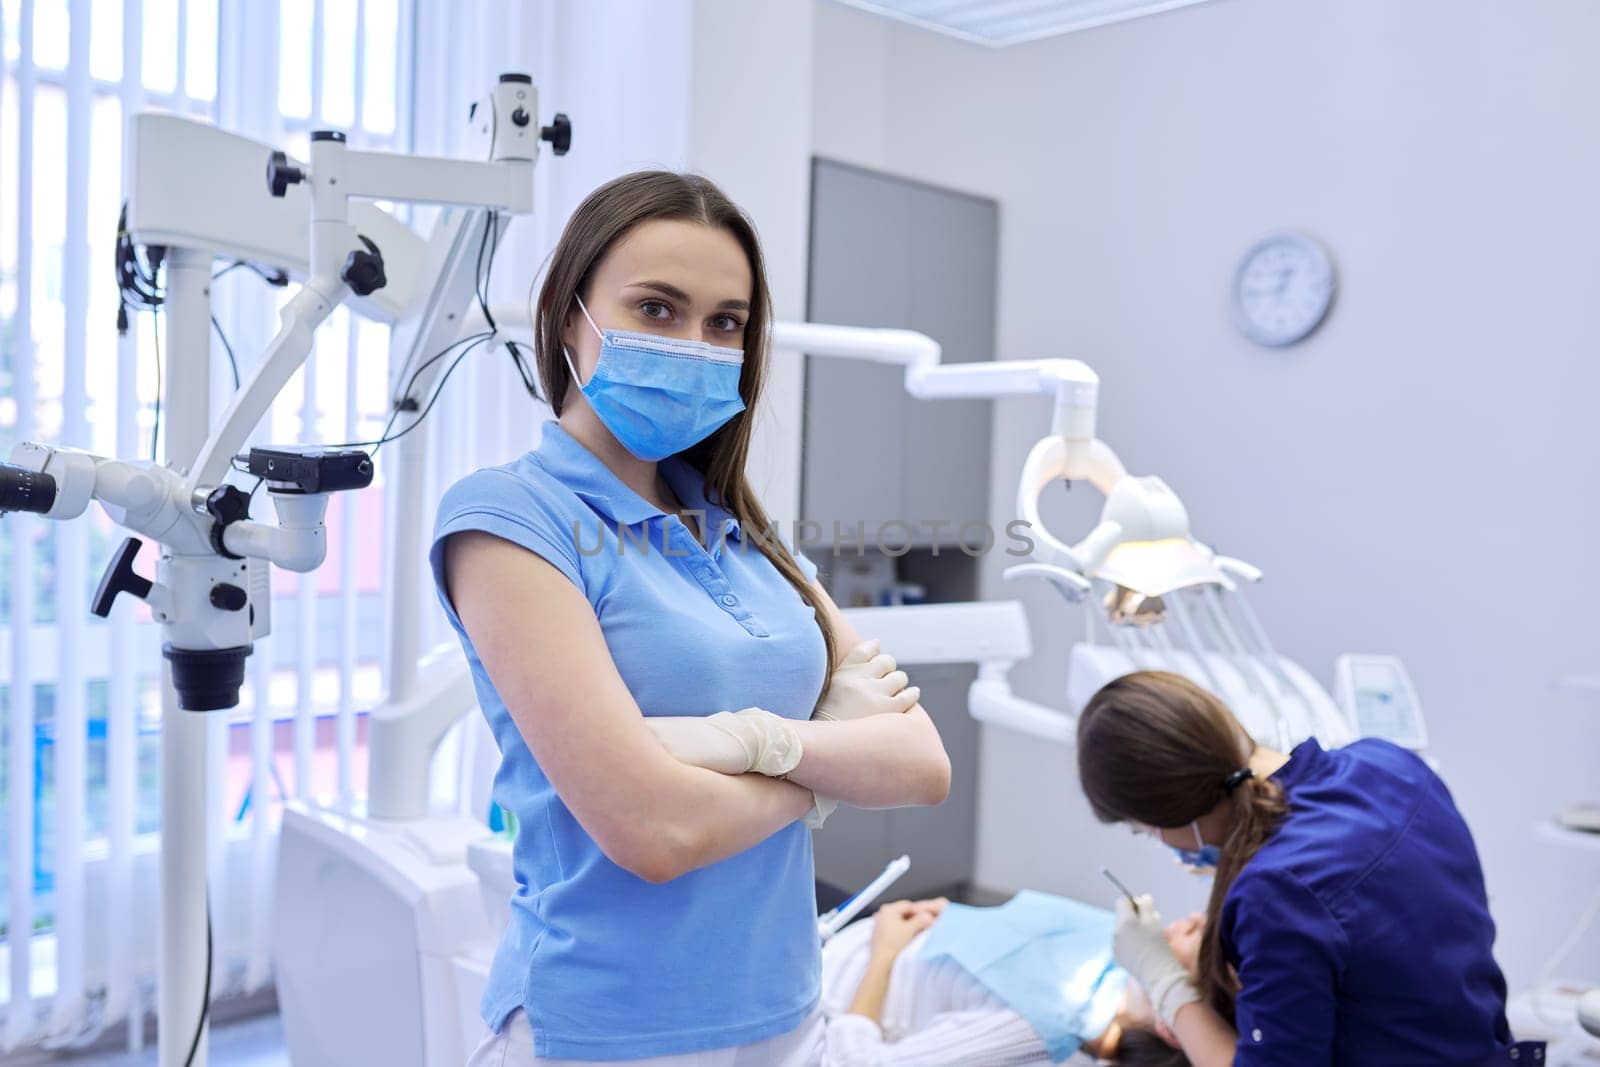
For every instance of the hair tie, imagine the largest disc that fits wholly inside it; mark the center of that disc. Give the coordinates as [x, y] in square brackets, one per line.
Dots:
[1230, 783]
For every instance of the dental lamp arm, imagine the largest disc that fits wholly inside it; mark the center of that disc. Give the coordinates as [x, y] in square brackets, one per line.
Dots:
[991, 700]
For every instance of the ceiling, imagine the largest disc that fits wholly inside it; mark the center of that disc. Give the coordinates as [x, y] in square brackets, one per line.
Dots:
[1003, 22]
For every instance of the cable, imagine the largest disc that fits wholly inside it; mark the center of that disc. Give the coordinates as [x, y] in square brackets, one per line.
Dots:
[275, 278]
[155, 431]
[490, 240]
[139, 288]
[205, 1005]
[1585, 919]
[434, 399]
[386, 437]
[226, 347]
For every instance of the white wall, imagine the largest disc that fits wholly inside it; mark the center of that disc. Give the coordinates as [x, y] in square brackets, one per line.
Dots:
[719, 87]
[749, 131]
[1419, 477]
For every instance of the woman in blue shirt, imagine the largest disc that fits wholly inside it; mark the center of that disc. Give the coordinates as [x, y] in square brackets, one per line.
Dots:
[1348, 922]
[624, 569]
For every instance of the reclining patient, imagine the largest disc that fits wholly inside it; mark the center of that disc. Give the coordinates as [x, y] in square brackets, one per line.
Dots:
[1031, 981]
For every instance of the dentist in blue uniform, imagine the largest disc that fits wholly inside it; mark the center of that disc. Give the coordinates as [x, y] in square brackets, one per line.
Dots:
[624, 574]
[1348, 922]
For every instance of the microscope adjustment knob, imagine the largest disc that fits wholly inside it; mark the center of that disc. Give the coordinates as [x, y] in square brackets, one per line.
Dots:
[519, 117]
[226, 504]
[120, 577]
[558, 133]
[363, 269]
[280, 175]
[228, 597]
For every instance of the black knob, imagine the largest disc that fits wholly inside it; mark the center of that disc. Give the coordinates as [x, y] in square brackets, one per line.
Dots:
[227, 597]
[558, 133]
[228, 503]
[119, 577]
[519, 117]
[280, 175]
[363, 269]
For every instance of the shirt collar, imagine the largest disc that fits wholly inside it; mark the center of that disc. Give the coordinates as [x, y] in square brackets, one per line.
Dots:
[1304, 760]
[569, 460]
[565, 457]
[690, 487]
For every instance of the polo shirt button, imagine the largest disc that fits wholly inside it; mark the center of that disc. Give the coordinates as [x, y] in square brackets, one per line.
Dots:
[729, 599]
[1255, 1035]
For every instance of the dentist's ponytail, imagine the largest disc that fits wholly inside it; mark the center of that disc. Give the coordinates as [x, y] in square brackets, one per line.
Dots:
[1258, 805]
[1157, 749]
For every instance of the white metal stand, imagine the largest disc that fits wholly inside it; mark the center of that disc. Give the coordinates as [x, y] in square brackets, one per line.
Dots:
[187, 411]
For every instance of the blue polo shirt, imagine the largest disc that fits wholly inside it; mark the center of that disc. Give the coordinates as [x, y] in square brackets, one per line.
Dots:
[606, 965]
[1360, 931]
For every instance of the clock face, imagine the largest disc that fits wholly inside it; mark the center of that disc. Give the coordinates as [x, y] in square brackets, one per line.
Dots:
[1282, 289]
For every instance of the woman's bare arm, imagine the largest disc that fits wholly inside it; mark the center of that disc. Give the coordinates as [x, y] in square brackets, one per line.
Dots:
[541, 644]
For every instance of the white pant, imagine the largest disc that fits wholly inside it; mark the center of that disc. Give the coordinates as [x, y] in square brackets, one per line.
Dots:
[800, 1047]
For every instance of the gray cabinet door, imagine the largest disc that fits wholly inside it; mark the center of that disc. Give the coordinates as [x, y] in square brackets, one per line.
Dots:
[856, 413]
[890, 252]
[954, 247]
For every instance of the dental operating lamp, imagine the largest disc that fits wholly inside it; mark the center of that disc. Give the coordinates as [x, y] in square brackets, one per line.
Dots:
[202, 193]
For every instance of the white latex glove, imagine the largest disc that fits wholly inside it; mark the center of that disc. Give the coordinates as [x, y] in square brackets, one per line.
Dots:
[820, 811]
[1139, 945]
[695, 741]
[770, 743]
[700, 743]
[867, 683]
[730, 742]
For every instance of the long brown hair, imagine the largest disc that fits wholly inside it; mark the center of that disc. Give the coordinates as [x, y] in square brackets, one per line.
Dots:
[606, 216]
[1155, 748]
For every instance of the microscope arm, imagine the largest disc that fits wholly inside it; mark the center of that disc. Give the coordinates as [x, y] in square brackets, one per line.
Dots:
[298, 322]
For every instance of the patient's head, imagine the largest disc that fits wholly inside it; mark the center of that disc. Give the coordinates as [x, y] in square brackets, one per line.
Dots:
[1136, 1036]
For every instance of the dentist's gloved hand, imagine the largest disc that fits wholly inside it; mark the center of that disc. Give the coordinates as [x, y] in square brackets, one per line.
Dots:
[1140, 946]
[770, 742]
[731, 742]
[867, 683]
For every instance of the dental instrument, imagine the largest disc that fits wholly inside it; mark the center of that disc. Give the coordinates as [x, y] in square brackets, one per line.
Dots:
[1124, 890]
[837, 919]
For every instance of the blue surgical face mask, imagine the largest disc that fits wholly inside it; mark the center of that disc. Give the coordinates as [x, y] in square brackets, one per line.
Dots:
[1204, 856]
[660, 395]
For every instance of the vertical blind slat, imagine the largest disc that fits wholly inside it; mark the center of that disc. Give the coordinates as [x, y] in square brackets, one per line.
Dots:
[72, 541]
[318, 47]
[304, 722]
[122, 725]
[349, 583]
[247, 89]
[20, 782]
[182, 76]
